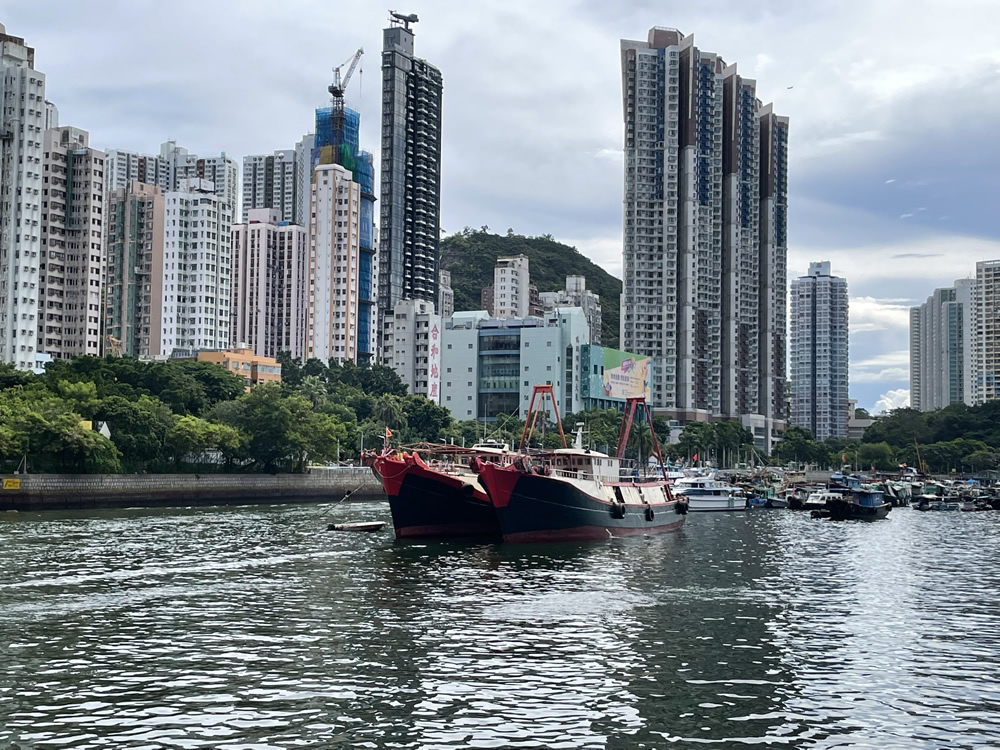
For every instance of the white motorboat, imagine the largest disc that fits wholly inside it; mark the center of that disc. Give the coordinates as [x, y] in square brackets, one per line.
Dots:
[709, 494]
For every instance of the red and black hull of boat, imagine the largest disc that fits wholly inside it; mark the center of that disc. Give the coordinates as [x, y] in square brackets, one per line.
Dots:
[430, 504]
[534, 508]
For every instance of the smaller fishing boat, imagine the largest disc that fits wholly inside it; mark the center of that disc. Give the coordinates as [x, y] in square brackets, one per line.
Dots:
[864, 502]
[820, 499]
[934, 502]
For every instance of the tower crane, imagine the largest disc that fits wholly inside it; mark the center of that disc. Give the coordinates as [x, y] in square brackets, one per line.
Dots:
[338, 86]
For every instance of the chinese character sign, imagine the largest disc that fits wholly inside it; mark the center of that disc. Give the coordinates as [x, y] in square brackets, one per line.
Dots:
[434, 365]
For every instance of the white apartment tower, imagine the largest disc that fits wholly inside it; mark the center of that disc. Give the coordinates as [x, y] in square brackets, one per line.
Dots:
[819, 352]
[173, 165]
[271, 181]
[270, 283]
[412, 346]
[511, 295]
[334, 266]
[704, 232]
[22, 124]
[73, 246]
[197, 269]
[940, 344]
[985, 354]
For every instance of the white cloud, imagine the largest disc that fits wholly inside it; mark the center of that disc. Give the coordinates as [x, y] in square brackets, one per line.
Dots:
[870, 314]
[884, 367]
[894, 399]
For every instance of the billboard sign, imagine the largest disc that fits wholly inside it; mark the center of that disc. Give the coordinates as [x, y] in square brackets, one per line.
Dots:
[625, 375]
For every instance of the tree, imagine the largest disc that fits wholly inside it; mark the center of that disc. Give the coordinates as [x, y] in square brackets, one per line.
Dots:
[697, 438]
[796, 445]
[312, 389]
[389, 411]
[291, 369]
[61, 442]
[879, 455]
[982, 460]
[190, 436]
[138, 428]
[424, 419]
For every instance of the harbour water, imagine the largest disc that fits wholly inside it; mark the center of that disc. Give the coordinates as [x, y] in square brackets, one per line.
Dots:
[253, 627]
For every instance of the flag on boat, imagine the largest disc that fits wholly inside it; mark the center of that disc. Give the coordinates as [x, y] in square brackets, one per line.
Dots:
[388, 432]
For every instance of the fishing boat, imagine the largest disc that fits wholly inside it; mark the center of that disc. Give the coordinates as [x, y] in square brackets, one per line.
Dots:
[705, 494]
[865, 503]
[434, 493]
[574, 493]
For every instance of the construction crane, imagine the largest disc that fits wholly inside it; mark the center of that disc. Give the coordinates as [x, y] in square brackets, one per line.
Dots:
[338, 86]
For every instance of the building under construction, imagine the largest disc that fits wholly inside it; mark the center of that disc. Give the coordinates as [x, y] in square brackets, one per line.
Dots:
[343, 241]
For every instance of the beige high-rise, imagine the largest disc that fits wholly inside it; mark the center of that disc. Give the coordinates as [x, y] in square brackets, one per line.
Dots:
[73, 246]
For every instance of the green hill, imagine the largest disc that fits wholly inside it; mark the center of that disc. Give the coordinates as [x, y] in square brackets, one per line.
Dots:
[471, 255]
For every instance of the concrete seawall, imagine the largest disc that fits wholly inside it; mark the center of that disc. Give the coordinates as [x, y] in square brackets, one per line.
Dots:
[30, 492]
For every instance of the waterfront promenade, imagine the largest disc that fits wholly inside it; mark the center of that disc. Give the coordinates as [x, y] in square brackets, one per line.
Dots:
[31, 492]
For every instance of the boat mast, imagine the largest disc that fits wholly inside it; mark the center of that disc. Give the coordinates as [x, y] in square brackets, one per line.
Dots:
[532, 416]
[626, 428]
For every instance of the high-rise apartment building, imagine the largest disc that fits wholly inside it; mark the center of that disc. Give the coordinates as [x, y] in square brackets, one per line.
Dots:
[985, 345]
[303, 177]
[197, 268]
[270, 284]
[170, 167]
[272, 181]
[51, 115]
[446, 295]
[335, 267]
[133, 295]
[772, 338]
[704, 232]
[576, 294]
[819, 352]
[411, 171]
[22, 125]
[73, 246]
[510, 293]
[940, 334]
[342, 240]
[169, 270]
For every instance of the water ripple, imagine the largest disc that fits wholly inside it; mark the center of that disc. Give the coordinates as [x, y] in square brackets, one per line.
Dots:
[251, 627]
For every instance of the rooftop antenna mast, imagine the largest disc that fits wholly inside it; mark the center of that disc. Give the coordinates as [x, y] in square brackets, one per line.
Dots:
[401, 19]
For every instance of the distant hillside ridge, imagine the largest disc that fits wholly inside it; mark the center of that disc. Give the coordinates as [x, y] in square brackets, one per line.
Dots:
[471, 254]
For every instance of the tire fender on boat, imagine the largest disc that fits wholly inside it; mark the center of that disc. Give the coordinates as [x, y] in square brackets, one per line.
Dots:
[650, 513]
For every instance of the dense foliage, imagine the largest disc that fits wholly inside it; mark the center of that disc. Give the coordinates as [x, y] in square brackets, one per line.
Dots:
[182, 415]
[187, 415]
[471, 254]
[958, 438]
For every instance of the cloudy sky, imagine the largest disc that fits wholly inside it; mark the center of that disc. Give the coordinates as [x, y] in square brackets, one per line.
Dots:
[894, 106]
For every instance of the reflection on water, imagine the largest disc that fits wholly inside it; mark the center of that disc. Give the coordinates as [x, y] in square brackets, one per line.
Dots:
[254, 628]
